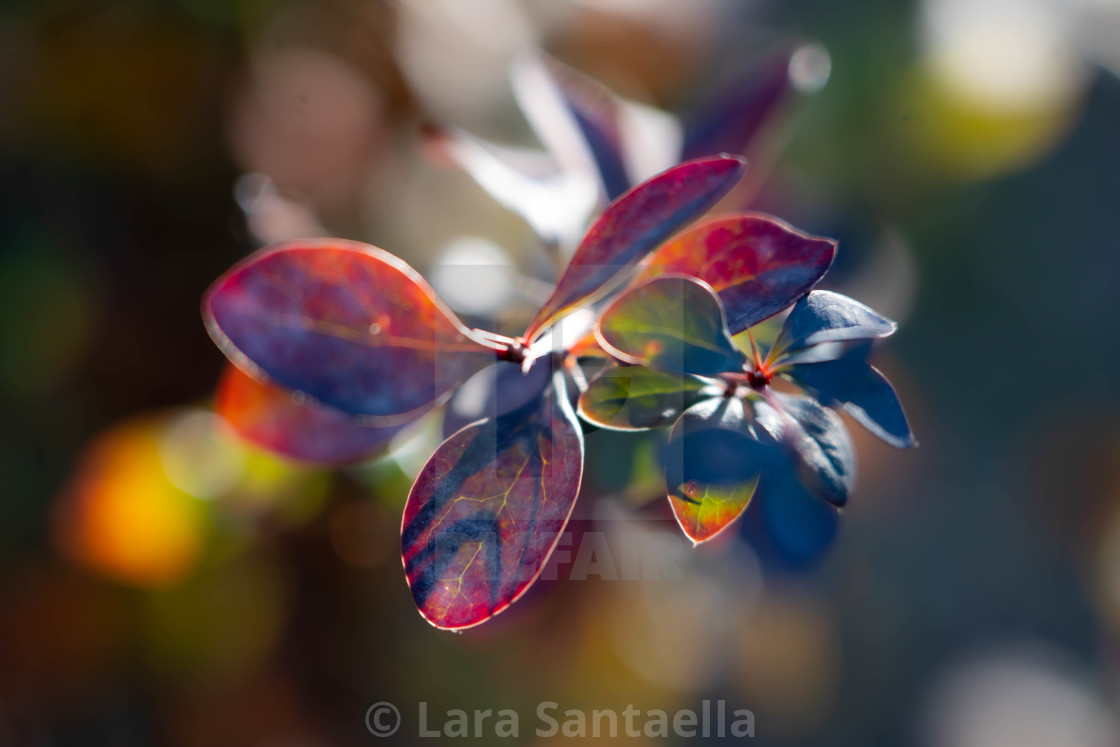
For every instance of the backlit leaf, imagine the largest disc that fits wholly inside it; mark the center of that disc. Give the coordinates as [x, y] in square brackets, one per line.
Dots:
[633, 225]
[672, 323]
[348, 324]
[492, 392]
[818, 440]
[555, 203]
[587, 346]
[489, 507]
[634, 398]
[852, 383]
[712, 466]
[824, 316]
[577, 117]
[274, 418]
[758, 264]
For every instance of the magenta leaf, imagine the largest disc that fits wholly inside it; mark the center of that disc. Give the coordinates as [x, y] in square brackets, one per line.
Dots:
[348, 324]
[276, 419]
[489, 507]
[758, 264]
[633, 225]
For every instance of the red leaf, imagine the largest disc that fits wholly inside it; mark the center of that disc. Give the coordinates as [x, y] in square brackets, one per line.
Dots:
[274, 418]
[634, 224]
[346, 323]
[488, 509]
[759, 265]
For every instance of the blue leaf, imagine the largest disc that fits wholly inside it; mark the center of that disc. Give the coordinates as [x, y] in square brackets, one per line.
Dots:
[713, 461]
[822, 448]
[789, 527]
[824, 316]
[714, 442]
[863, 392]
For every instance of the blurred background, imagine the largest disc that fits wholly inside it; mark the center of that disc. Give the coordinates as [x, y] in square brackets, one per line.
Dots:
[162, 581]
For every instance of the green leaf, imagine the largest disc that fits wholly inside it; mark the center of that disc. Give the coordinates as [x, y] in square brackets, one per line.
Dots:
[635, 398]
[673, 323]
[713, 462]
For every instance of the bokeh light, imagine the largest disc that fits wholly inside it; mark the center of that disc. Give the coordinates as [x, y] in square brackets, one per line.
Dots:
[1026, 695]
[1000, 81]
[809, 68]
[122, 515]
[474, 276]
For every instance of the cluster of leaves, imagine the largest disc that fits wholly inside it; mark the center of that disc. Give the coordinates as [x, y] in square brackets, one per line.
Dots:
[731, 427]
[336, 346]
[599, 145]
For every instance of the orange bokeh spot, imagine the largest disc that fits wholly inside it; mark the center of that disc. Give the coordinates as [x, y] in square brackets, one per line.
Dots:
[121, 516]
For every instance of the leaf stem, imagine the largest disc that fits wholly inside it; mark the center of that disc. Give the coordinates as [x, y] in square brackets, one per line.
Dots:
[571, 363]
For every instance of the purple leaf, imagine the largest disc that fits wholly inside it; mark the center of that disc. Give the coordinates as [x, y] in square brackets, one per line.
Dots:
[577, 117]
[758, 264]
[735, 115]
[489, 507]
[633, 225]
[348, 324]
[492, 392]
[555, 203]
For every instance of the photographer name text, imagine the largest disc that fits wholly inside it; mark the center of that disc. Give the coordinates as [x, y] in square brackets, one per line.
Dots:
[714, 718]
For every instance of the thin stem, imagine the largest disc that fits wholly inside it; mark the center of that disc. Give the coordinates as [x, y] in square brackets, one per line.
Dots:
[754, 351]
[571, 363]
